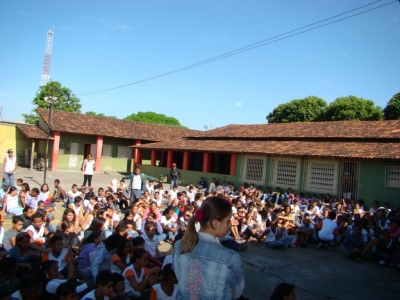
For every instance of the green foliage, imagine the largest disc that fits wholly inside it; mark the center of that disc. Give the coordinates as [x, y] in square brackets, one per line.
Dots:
[352, 108]
[392, 109]
[66, 100]
[152, 117]
[308, 109]
[92, 113]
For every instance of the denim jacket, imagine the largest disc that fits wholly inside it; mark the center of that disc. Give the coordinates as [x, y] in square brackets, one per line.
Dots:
[102, 260]
[209, 271]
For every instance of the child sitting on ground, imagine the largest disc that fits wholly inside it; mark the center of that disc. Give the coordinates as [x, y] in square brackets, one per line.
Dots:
[63, 257]
[168, 288]
[104, 286]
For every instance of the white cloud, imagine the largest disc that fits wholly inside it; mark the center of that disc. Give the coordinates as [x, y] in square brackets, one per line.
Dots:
[96, 19]
[238, 103]
[25, 13]
[124, 27]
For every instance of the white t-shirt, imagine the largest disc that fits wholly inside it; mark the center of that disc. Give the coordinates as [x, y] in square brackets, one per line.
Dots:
[138, 220]
[86, 205]
[191, 196]
[115, 218]
[173, 194]
[164, 220]
[137, 182]
[76, 194]
[161, 295]
[89, 167]
[150, 188]
[328, 226]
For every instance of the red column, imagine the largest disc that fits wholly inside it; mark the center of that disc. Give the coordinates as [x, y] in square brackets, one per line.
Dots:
[136, 153]
[170, 157]
[153, 157]
[54, 155]
[232, 171]
[186, 159]
[206, 162]
[99, 148]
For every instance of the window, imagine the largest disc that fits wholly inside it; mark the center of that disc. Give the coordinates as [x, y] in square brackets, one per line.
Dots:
[254, 169]
[106, 152]
[392, 178]
[124, 152]
[285, 173]
[321, 176]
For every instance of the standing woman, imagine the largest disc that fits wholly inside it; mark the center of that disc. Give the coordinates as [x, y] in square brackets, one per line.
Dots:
[199, 258]
[88, 166]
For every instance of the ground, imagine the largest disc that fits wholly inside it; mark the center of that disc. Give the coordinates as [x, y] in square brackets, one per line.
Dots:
[317, 274]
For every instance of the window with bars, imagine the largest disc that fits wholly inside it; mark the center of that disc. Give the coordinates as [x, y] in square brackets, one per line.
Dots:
[321, 176]
[253, 169]
[124, 152]
[392, 178]
[106, 152]
[285, 173]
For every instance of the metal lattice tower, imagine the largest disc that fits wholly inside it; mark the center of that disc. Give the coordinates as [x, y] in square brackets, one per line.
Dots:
[47, 58]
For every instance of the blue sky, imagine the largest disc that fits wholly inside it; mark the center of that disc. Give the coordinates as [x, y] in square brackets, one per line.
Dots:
[102, 44]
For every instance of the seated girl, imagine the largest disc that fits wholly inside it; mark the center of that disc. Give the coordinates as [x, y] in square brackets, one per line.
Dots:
[274, 237]
[122, 257]
[138, 279]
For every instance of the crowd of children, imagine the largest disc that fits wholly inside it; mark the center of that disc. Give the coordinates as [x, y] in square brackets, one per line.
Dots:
[107, 246]
[287, 220]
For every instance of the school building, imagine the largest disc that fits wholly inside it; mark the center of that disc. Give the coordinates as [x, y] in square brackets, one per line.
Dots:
[361, 158]
[108, 140]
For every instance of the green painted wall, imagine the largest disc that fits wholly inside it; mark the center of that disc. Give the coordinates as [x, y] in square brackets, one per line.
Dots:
[188, 176]
[107, 164]
[372, 184]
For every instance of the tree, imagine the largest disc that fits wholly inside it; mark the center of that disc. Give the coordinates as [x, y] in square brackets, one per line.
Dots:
[392, 109]
[308, 109]
[92, 113]
[352, 108]
[152, 117]
[66, 100]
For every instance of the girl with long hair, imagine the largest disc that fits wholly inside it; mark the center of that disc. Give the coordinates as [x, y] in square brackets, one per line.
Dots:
[199, 258]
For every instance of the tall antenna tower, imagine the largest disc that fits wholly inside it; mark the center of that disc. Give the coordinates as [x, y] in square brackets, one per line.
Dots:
[47, 58]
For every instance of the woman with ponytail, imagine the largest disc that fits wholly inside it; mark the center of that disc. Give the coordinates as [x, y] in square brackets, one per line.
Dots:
[199, 258]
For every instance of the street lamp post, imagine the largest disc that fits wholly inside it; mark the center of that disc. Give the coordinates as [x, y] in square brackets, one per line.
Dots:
[51, 100]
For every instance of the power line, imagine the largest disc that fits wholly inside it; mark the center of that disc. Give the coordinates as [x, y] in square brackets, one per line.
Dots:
[262, 43]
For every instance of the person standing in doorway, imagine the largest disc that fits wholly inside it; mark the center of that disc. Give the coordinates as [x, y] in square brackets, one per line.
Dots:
[9, 167]
[137, 184]
[175, 176]
[88, 166]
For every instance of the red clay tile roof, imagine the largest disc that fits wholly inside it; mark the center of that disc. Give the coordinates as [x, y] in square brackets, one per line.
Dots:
[334, 149]
[93, 125]
[308, 130]
[32, 132]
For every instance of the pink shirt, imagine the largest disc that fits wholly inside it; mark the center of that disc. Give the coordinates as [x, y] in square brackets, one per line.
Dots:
[147, 211]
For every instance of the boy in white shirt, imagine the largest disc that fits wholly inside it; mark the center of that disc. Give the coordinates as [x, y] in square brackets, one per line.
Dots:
[150, 187]
[190, 194]
[73, 193]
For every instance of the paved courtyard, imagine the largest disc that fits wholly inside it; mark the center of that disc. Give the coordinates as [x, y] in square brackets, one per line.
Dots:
[317, 274]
